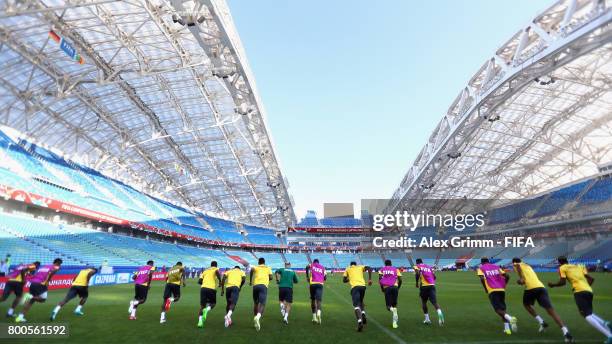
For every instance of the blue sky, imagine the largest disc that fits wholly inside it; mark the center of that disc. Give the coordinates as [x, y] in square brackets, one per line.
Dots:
[354, 88]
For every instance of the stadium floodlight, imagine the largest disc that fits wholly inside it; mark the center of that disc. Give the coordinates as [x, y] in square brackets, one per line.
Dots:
[188, 13]
[224, 72]
[273, 184]
[545, 80]
[262, 153]
[427, 186]
[493, 119]
[245, 109]
[189, 21]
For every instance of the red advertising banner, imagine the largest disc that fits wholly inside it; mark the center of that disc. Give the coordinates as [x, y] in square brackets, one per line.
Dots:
[61, 281]
[240, 260]
[338, 230]
[324, 248]
[41, 201]
[159, 276]
[58, 281]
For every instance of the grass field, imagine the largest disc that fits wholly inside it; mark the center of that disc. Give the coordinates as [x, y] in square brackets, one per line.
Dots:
[469, 317]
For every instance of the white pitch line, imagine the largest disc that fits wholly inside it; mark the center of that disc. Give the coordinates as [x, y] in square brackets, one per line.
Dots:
[371, 319]
[510, 341]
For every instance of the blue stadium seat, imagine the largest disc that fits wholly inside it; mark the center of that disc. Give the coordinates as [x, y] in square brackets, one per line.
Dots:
[513, 212]
[297, 260]
[558, 199]
[601, 191]
[263, 239]
[25, 165]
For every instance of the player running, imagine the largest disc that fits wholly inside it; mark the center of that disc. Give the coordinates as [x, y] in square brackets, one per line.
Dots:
[354, 276]
[390, 279]
[315, 274]
[425, 279]
[581, 283]
[494, 280]
[285, 289]
[142, 282]
[535, 291]
[208, 292]
[39, 284]
[172, 290]
[79, 288]
[231, 285]
[259, 278]
[15, 283]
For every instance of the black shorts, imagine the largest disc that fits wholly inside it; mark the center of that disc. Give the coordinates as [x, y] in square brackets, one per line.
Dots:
[285, 294]
[316, 292]
[232, 294]
[81, 291]
[428, 293]
[584, 301]
[208, 296]
[391, 296]
[498, 300]
[13, 287]
[38, 290]
[537, 294]
[173, 290]
[357, 294]
[260, 294]
[141, 292]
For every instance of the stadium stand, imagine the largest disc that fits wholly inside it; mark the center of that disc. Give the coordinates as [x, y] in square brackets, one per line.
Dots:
[230, 236]
[257, 230]
[38, 170]
[310, 220]
[242, 256]
[600, 192]
[24, 250]
[596, 252]
[263, 239]
[345, 259]
[273, 259]
[514, 211]
[340, 222]
[325, 259]
[398, 259]
[297, 260]
[556, 200]
[29, 167]
[29, 239]
[578, 195]
[371, 259]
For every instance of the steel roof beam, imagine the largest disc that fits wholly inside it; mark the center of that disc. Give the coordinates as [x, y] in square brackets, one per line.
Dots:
[568, 46]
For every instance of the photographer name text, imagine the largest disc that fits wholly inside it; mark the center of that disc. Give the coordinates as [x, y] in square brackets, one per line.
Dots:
[452, 242]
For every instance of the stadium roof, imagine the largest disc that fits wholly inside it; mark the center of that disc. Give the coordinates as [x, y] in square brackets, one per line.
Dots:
[535, 116]
[158, 93]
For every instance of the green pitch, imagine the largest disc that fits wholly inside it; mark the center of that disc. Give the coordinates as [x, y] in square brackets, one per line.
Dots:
[469, 317]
